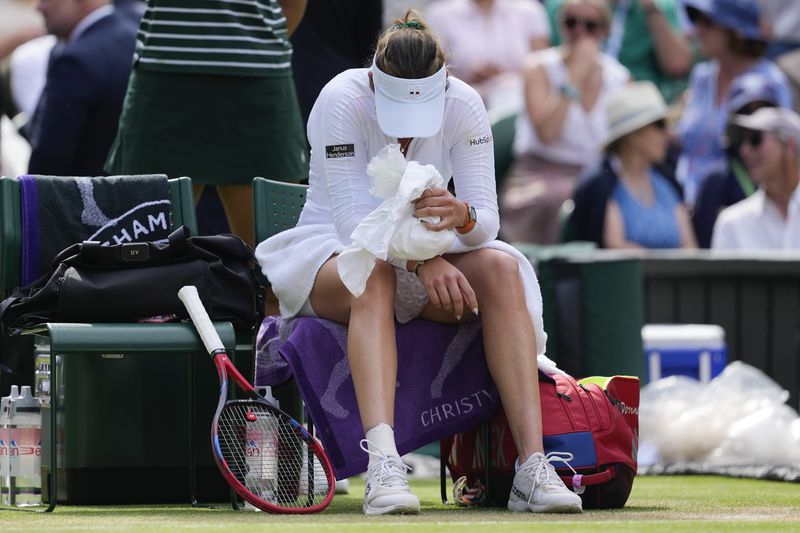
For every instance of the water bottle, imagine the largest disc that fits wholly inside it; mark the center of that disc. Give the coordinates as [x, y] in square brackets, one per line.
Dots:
[42, 376]
[26, 440]
[5, 438]
[269, 459]
[260, 453]
[252, 449]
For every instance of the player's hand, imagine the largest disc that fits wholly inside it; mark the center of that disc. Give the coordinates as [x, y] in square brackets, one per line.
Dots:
[447, 287]
[438, 202]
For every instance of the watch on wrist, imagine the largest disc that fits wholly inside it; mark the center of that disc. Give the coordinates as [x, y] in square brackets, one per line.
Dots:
[472, 219]
[417, 266]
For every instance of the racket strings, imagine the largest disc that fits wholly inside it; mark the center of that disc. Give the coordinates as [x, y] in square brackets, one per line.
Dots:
[268, 456]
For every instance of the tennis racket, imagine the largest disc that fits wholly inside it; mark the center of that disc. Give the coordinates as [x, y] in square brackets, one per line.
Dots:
[267, 457]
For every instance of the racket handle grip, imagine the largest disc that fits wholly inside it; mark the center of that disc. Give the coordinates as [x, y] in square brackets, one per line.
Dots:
[191, 300]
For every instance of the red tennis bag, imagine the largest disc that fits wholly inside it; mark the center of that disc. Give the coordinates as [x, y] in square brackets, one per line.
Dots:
[595, 419]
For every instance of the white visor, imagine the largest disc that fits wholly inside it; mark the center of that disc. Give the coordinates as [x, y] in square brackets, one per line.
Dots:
[408, 107]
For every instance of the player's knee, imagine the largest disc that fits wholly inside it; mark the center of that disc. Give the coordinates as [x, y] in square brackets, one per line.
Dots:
[497, 266]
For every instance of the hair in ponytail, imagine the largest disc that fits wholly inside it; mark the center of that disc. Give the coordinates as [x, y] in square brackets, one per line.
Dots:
[409, 49]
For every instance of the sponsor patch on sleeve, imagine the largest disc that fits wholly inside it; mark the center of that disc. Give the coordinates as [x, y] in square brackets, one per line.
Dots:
[478, 141]
[335, 151]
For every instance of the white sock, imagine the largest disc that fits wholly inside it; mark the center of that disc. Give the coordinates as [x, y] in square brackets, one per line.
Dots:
[381, 439]
[518, 464]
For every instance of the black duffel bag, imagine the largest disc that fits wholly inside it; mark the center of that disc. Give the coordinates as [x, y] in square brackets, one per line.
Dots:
[135, 282]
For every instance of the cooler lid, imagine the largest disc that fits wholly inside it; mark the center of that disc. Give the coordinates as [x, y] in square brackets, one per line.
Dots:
[665, 336]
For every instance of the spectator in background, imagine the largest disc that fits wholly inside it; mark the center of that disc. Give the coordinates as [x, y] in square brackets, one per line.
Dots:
[780, 21]
[2, 114]
[132, 8]
[76, 117]
[647, 38]
[20, 25]
[9, 42]
[770, 218]
[721, 189]
[566, 89]
[27, 73]
[729, 35]
[629, 203]
[331, 38]
[487, 41]
[215, 102]
[790, 65]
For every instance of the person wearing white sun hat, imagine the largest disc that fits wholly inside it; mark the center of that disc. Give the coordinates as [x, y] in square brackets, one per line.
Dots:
[629, 203]
[406, 98]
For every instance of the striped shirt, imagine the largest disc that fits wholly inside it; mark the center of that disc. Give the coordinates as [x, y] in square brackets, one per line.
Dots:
[223, 37]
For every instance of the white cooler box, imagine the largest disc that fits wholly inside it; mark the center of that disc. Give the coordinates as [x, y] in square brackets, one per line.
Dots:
[694, 350]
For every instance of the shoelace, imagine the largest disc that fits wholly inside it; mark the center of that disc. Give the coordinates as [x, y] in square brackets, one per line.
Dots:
[389, 471]
[543, 471]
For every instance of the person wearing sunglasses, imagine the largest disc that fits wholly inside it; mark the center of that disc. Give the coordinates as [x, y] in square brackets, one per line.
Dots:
[728, 35]
[647, 37]
[559, 135]
[748, 94]
[629, 203]
[770, 218]
[406, 98]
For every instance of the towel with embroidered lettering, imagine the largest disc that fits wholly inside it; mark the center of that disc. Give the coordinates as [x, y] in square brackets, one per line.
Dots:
[443, 383]
[59, 211]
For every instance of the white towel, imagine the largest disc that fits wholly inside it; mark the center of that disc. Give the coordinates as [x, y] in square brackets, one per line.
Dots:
[391, 229]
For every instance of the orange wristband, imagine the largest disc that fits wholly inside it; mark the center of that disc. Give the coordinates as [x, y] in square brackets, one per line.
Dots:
[467, 226]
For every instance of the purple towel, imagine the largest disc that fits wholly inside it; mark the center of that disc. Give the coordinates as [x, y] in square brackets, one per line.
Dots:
[443, 383]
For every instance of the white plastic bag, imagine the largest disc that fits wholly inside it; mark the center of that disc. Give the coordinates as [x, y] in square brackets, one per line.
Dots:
[392, 229]
[763, 437]
[662, 433]
[740, 417]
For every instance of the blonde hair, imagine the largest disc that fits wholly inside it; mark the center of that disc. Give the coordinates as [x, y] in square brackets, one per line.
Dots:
[601, 5]
[409, 49]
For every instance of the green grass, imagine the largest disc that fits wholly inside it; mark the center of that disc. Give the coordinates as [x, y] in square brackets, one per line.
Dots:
[680, 503]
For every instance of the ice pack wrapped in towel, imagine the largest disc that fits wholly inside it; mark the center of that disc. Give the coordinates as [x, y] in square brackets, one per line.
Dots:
[392, 229]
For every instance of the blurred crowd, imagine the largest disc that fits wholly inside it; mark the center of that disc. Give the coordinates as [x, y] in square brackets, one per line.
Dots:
[628, 123]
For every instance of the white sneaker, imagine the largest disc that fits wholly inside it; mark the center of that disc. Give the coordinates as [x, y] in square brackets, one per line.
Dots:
[538, 489]
[386, 490]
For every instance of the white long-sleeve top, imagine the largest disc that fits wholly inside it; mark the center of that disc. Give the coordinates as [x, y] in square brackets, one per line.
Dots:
[344, 135]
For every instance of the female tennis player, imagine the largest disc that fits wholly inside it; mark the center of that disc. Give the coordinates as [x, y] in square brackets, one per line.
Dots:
[406, 97]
